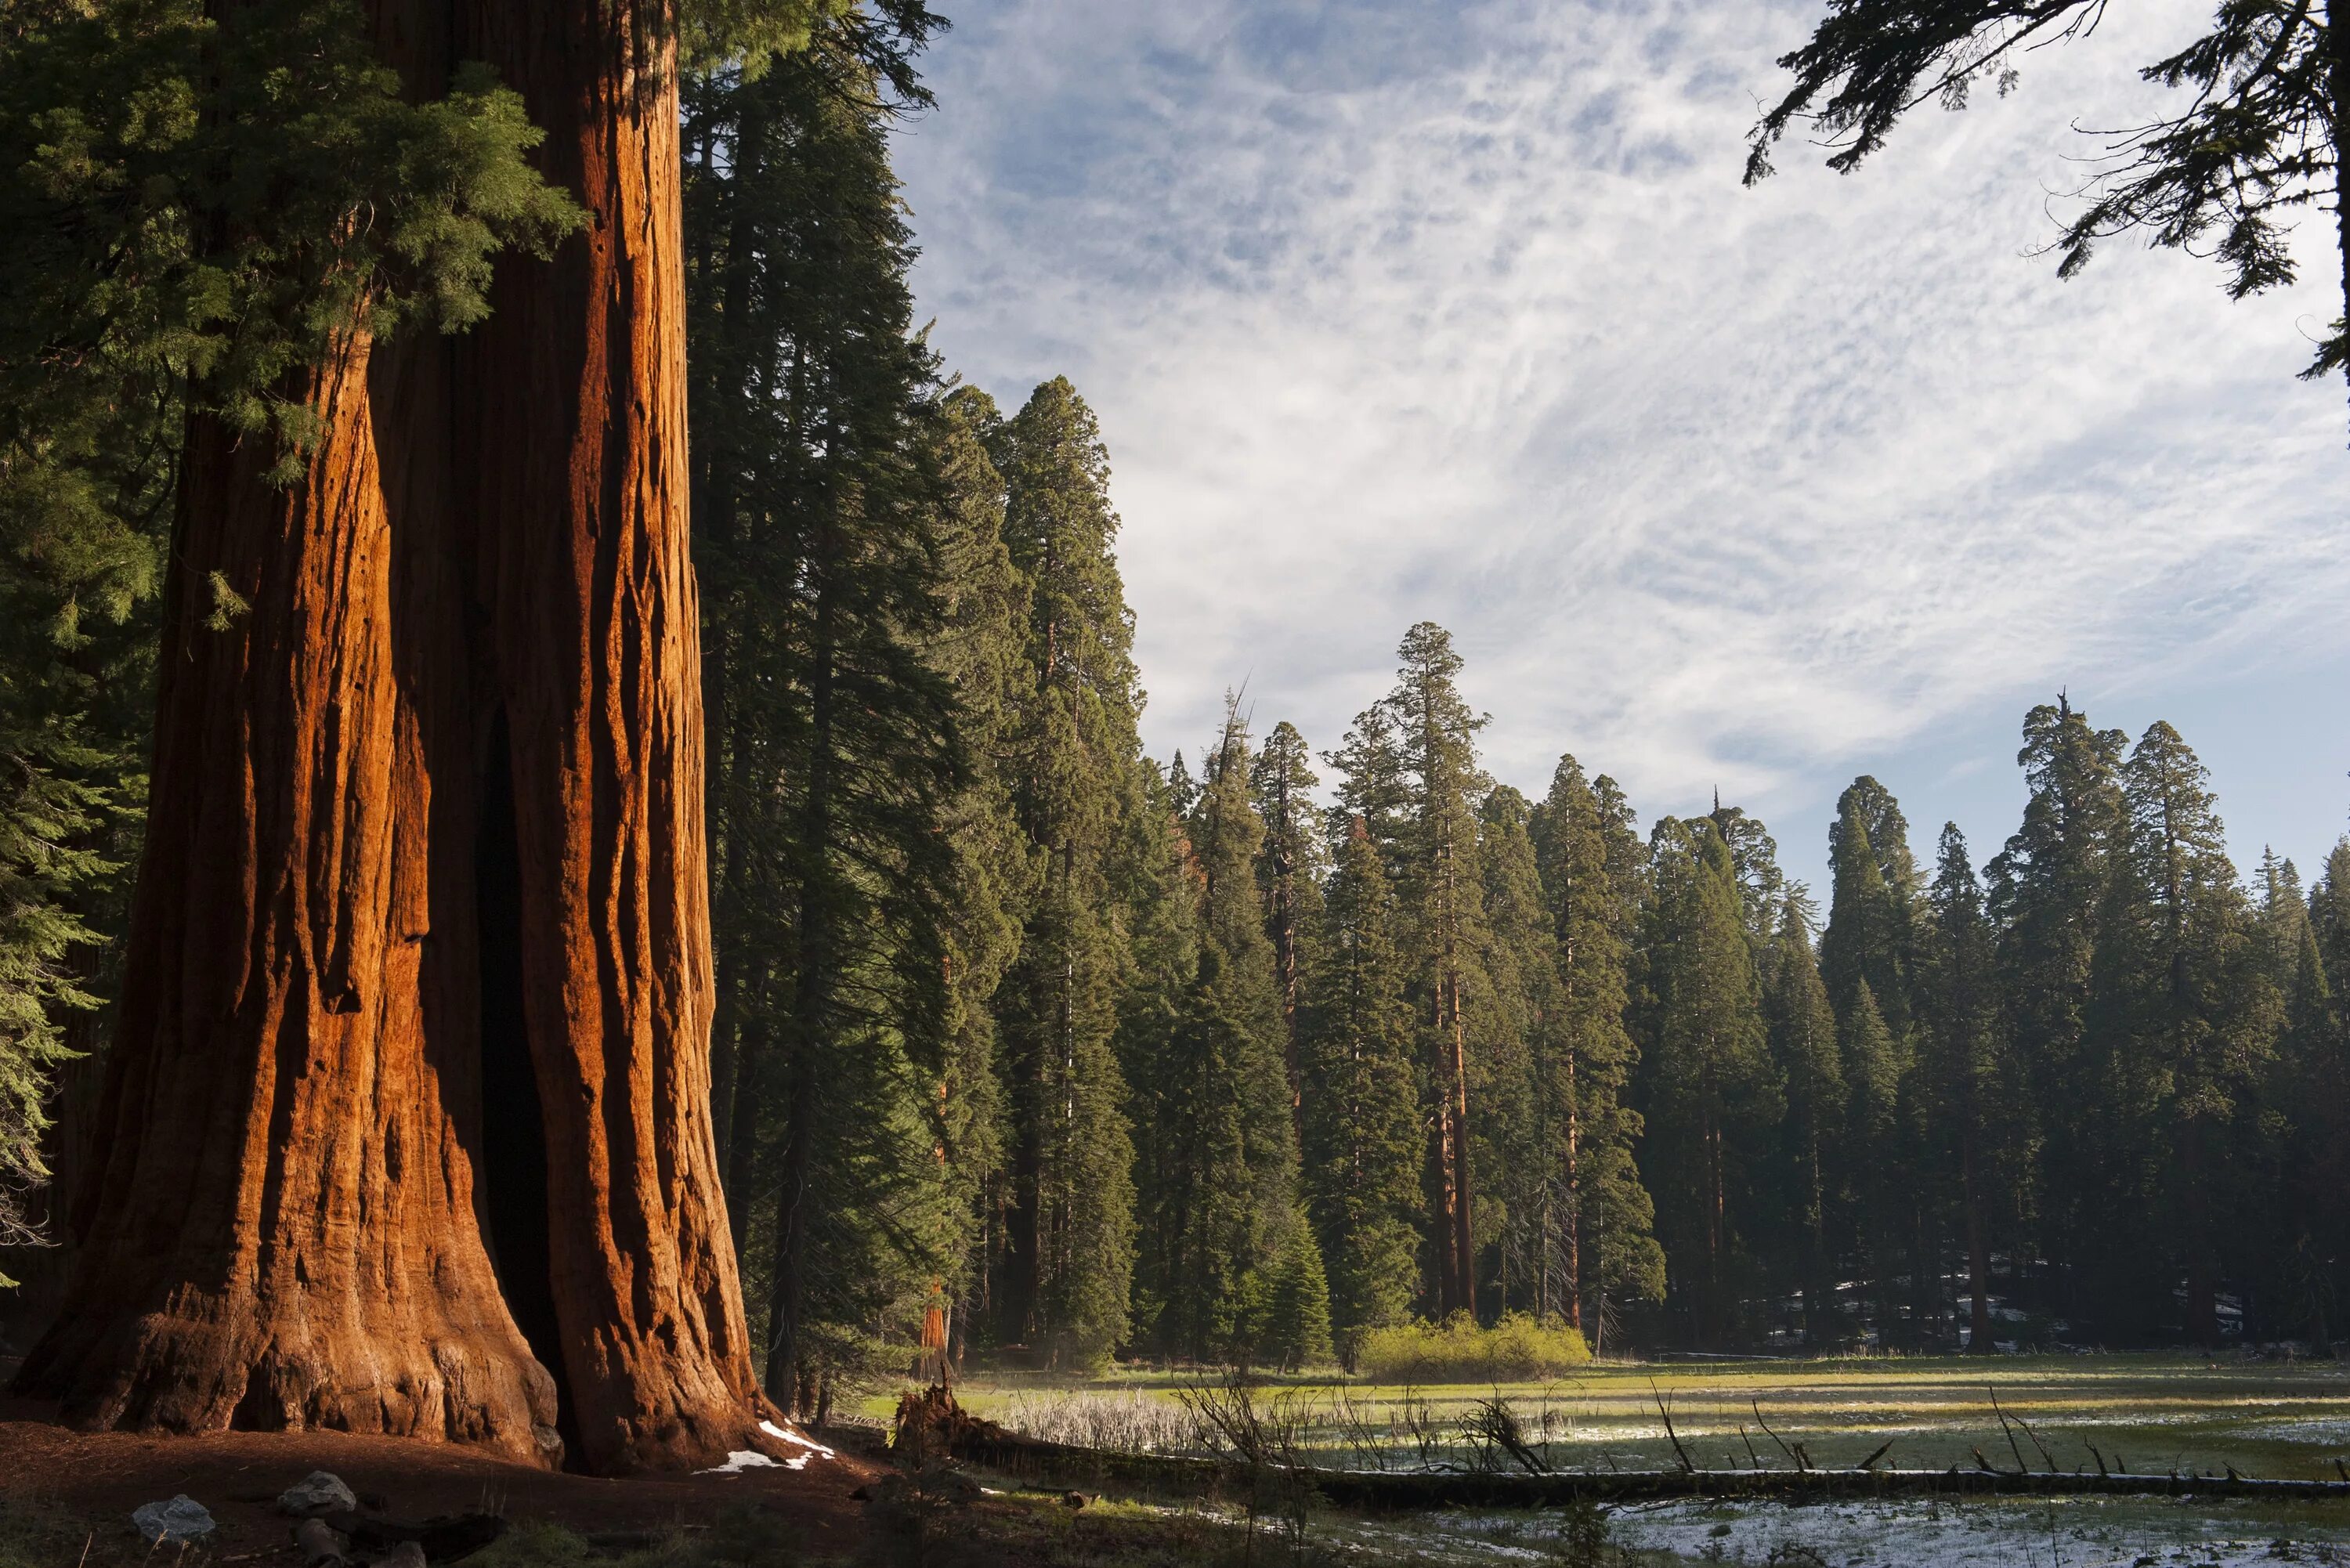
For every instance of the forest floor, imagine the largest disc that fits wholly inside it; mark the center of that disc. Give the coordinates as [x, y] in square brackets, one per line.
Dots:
[66, 1497]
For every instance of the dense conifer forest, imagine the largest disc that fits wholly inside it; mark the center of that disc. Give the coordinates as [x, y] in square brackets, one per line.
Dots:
[1233, 1056]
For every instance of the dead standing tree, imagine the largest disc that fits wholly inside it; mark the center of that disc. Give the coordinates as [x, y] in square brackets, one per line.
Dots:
[406, 1124]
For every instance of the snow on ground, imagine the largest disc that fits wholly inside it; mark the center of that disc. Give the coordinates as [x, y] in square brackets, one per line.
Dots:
[2067, 1533]
[2330, 1433]
[775, 1431]
[743, 1459]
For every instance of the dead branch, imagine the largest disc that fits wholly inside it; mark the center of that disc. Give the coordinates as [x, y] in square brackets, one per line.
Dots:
[1675, 1437]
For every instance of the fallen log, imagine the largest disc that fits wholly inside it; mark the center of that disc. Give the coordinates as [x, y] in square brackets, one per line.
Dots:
[1012, 1454]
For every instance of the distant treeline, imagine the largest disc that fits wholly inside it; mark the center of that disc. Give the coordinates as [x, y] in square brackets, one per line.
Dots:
[1100, 1056]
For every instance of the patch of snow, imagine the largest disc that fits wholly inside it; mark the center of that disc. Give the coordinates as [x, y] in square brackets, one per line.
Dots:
[775, 1431]
[2330, 1433]
[743, 1459]
[2078, 1532]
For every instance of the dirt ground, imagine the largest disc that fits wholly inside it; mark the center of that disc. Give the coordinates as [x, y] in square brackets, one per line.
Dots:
[102, 1476]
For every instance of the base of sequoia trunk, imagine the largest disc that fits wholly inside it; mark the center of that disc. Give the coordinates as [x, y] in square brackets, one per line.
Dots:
[212, 1365]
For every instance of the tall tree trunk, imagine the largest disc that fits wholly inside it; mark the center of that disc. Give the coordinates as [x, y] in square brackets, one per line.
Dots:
[1463, 1228]
[1979, 1338]
[1716, 1206]
[576, 420]
[1572, 1290]
[1284, 950]
[749, 1101]
[335, 938]
[2203, 1277]
[1819, 1295]
[812, 980]
[285, 1231]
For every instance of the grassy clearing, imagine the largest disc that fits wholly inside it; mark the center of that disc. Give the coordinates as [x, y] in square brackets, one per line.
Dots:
[2147, 1413]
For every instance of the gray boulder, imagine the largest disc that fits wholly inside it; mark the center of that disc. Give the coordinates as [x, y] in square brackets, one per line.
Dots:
[182, 1518]
[316, 1493]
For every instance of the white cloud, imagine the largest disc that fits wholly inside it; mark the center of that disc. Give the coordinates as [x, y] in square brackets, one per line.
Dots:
[1403, 315]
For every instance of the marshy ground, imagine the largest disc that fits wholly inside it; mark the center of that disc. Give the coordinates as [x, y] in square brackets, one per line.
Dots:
[2148, 1413]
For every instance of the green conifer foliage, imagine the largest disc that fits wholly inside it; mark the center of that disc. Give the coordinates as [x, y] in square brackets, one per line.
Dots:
[1810, 1062]
[1296, 1331]
[1970, 1073]
[1290, 874]
[2048, 901]
[1218, 1170]
[980, 649]
[1872, 904]
[833, 486]
[41, 816]
[1080, 791]
[1595, 1217]
[1362, 1142]
[2184, 1028]
[2253, 139]
[1872, 1145]
[1711, 1085]
[2319, 1083]
[1513, 1018]
[1423, 743]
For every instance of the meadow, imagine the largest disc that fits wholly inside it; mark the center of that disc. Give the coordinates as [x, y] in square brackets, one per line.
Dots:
[2153, 1413]
[2150, 1413]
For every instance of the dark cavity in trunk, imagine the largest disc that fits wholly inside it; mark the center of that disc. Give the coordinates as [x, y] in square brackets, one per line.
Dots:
[513, 1126]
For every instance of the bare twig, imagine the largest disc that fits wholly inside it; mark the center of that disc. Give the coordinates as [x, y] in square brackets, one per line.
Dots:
[1870, 1462]
[1666, 1413]
[1792, 1458]
[2047, 1457]
[2008, 1431]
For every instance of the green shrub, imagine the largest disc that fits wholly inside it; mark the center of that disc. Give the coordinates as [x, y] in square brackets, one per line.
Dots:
[1514, 1350]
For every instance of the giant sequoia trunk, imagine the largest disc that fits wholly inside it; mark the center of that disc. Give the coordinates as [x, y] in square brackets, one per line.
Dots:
[406, 1125]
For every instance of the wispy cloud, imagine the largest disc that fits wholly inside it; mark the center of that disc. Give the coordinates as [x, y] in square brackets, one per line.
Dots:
[1394, 313]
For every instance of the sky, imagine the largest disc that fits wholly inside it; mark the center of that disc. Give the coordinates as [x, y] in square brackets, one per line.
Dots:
[1401, 312]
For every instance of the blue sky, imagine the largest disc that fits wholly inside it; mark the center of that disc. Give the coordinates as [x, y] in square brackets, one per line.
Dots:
[1396, 312]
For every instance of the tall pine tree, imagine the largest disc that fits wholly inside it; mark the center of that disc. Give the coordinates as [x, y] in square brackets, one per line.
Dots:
[1710, 1086]
[1810, 1062]
[1362, 1142]
[2048, 900]
[1963, 1043]
[1290, 874]
[1216, 1180]
[1435, 788]
[828, 500]
[1596, 1218]
[1063, 1280]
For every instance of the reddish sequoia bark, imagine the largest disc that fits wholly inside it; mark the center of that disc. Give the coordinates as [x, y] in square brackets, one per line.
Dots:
[429, 814]
[282, 1232]
[576, 415]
